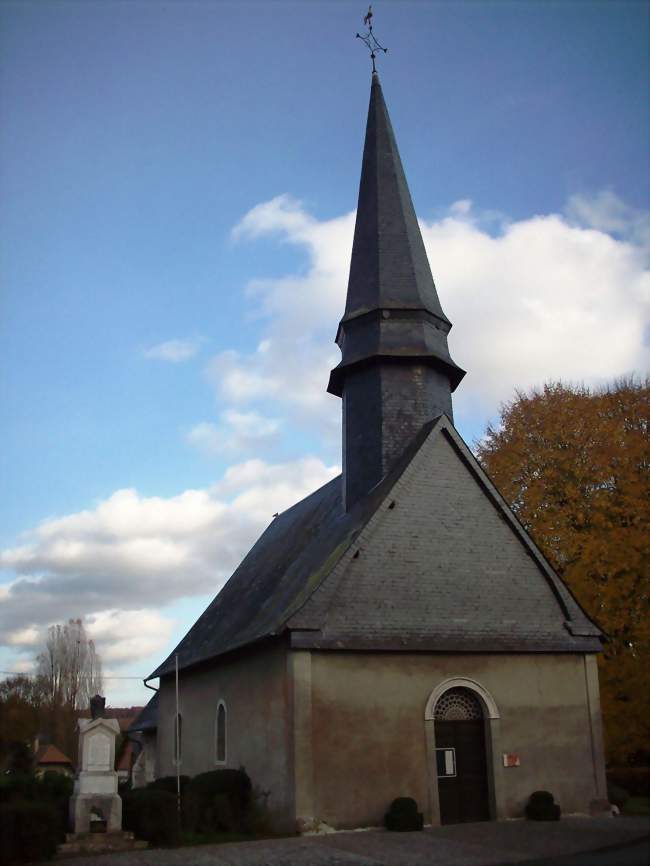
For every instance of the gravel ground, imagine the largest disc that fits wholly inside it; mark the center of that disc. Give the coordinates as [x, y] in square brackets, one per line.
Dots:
[484, 844]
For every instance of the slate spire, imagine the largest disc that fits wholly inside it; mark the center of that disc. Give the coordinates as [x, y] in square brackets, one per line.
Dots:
[396, 372]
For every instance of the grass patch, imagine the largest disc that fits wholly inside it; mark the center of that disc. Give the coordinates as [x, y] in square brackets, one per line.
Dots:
[637, 806]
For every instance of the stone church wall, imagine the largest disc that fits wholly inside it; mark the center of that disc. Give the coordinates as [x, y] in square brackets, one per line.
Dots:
[370, 737]
[253, 687]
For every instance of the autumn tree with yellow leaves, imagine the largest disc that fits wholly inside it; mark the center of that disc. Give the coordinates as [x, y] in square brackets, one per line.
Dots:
[574, 465]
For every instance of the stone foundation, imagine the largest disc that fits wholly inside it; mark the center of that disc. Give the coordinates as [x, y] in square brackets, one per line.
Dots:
[107, 806]
[99, 843]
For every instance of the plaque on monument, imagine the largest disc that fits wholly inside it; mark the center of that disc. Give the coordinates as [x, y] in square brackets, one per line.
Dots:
[95, 788]
[99, 752]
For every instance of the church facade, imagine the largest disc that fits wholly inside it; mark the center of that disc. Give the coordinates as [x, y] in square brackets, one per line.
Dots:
[396, 633]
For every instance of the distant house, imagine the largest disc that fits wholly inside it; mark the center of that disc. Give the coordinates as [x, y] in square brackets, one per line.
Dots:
[125, 760]
[49, 757]
[142, 735]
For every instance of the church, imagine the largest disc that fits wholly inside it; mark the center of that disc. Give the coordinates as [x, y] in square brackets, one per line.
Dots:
[396, 633]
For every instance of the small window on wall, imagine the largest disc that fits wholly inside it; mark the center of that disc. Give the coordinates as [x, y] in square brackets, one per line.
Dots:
[178, 738]
[220, 734]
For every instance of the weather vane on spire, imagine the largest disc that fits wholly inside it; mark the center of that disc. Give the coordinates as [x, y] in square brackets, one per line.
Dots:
[369, 39]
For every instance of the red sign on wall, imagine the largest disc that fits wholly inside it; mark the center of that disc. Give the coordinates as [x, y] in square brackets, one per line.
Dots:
[511, 760]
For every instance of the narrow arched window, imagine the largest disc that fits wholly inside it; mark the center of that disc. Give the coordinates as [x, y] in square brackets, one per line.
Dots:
[220, 734]
[178, 738]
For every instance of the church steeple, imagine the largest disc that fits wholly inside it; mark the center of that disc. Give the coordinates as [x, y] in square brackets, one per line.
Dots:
[396, 372]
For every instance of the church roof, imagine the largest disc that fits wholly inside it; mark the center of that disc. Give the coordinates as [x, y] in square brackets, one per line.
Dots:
[296, 580]
[147, 719]
[389, 265]
[392, 307]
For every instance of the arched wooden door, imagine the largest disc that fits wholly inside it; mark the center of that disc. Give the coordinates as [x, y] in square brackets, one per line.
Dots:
[461, 757]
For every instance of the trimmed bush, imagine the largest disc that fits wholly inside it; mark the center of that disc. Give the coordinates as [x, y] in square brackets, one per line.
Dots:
[28, 831]
[152, 815]
[403, 816]
[541, 806]
[218, 801]
[168, 783]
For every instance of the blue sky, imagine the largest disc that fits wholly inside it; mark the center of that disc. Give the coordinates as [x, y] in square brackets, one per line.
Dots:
[178, 183]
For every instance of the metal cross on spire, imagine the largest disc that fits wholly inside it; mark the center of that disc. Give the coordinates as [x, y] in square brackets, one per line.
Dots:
[369, 39]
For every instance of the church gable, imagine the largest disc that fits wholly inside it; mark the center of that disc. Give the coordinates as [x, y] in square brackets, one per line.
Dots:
[444, 565]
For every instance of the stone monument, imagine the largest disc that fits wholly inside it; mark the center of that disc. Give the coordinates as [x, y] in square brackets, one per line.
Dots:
[95, 804]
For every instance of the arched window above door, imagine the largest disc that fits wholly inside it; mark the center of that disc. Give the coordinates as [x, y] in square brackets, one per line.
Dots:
[489, 709]
[457, 705]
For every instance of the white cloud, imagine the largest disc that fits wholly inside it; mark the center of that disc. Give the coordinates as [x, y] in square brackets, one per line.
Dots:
[236, 432]
[122, 636]
[547, 297]
[461, 207]
[541, 300]
[24, 637]
[115, 565]
[174, 351]
[291, 364]
[606, 212]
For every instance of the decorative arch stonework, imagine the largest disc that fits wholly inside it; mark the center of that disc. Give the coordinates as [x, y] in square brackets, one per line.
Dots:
[490, 709]
[492, 722]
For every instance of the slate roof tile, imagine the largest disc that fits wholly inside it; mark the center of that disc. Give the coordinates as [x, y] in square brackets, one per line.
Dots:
[292, 580]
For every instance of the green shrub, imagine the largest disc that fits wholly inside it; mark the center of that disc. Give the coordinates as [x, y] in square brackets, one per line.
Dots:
[52, 788]
[403, 816]
[635, 780]
[617, 795]
[17, 786]
[168, 783]
[55, 789]
[152, 815]
[541, 806]
[218, 801]
[257, 820]
[637, 806]
[28, 831]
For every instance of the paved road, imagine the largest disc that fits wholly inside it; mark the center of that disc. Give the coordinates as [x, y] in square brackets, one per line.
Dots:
[635, 854]
[485, 844]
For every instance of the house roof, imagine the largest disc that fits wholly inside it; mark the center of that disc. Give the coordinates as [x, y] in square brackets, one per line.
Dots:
[147, 720]
[51, 755]
[126, 757]
[125, 715]
[290, 582]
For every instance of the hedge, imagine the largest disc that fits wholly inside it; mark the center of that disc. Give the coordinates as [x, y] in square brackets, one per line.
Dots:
[169, 784]
[28, 831]
[634, 780]
[220, 800]
[152, 815]
[51, 788]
